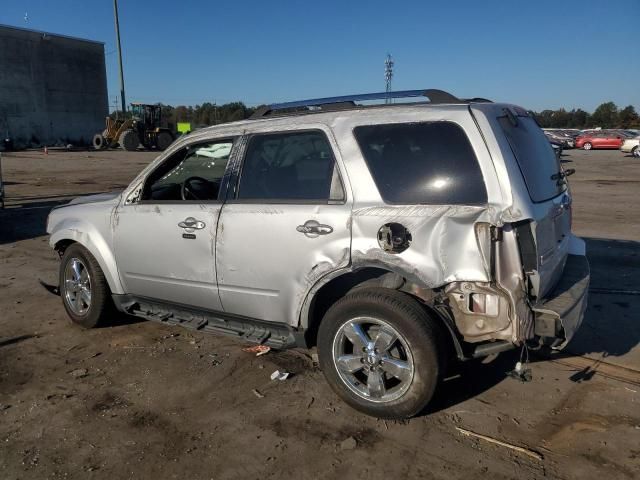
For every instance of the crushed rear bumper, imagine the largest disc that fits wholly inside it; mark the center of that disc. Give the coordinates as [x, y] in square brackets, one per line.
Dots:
[559, 316]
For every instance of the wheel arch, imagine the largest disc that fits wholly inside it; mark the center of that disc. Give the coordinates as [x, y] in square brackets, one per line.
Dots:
[338, 284]
[98, 247]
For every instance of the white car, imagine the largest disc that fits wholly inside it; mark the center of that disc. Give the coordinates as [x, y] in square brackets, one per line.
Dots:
[631, 145]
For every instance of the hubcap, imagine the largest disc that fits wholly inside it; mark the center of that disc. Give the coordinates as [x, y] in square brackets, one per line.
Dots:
[373, 359]
[77, 286]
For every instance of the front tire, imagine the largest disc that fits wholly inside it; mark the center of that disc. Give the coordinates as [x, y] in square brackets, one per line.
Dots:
[378, 350]
[636, 152]
[83, 288]
[587, 146]
[163, 140]
[129, 140]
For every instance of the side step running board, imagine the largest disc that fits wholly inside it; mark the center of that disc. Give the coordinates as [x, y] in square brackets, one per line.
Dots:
[278, 336]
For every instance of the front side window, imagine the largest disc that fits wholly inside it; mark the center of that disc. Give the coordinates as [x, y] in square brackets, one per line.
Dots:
[422, 163]
[289, 166]
[193, 173]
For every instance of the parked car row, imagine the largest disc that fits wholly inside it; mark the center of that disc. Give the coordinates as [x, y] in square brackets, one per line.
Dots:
[595, 139]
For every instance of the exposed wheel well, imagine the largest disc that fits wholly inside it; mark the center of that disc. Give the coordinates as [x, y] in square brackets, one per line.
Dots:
[371, 277]
[62, 245]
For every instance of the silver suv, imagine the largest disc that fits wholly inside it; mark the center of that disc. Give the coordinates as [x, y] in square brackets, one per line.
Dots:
[391, 236]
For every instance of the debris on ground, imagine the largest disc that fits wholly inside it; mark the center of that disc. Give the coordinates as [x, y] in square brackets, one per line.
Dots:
[525, 451]
[257, 393]
[79, 372]
[257, 349]
[278, 375]
[521, 373]
[54, 289]
[215, 360]
[348, 444]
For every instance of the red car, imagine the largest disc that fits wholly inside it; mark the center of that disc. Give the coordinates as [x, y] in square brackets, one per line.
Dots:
[599, 140]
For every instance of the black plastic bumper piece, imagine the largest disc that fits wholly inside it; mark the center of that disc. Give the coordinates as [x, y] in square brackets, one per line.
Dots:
[559, 316]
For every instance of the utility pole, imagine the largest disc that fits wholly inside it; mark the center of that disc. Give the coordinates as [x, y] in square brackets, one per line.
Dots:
[115, 13]
[388, 75]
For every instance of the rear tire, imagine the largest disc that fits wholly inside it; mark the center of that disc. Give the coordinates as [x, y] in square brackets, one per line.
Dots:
[99, 142]
[83, 288]
[129, 140]
[587, 146]
[388, 378]
[163, 140]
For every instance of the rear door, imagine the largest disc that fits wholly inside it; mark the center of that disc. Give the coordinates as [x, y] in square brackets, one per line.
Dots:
[286, 225]
[550, 204]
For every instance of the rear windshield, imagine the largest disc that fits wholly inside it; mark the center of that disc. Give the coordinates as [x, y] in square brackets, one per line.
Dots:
[422, 163]
[535, 156]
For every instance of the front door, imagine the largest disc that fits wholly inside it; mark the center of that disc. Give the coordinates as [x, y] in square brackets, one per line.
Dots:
[165, 243]
[287, 225]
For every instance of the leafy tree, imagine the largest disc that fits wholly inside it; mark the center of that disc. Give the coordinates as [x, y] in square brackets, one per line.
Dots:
[579, 119]
[628, 117]
[605, 116]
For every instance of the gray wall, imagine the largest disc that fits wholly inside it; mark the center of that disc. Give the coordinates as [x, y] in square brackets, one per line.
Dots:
[53, 89]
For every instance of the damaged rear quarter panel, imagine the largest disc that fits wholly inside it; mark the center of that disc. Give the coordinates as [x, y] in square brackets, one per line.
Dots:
[443, 249]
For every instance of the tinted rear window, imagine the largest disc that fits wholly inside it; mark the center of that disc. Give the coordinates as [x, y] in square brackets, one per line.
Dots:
[535, 156]
[422, 163]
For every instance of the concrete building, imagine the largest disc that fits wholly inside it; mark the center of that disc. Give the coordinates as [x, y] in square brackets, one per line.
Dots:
[53, 88]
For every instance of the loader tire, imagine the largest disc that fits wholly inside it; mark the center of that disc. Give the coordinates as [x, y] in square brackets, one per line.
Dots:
[129, 140]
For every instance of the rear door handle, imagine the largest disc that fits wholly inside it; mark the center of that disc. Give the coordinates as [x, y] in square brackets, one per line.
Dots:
[312, 229]
[190, 224]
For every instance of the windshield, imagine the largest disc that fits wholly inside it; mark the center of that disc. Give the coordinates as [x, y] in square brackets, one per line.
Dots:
[535, 156]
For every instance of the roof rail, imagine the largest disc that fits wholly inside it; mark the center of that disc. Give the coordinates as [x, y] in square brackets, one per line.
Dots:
[348, 101]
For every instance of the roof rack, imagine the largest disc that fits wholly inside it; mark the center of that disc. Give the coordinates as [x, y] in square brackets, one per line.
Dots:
[349, 101]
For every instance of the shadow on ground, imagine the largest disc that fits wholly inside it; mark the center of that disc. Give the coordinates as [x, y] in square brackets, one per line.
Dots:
[611, 327]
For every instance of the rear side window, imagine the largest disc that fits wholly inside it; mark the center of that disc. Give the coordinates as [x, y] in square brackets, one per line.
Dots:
[422, 163]
[535, 156]
[290, 166]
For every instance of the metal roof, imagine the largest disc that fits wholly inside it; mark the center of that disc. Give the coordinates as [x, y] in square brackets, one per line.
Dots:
[39, 32]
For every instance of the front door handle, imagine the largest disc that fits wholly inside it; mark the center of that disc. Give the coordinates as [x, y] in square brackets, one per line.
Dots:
[190, 224]
[312, 229]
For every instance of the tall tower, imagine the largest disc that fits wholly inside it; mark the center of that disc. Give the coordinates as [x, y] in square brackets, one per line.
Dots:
[388, 75]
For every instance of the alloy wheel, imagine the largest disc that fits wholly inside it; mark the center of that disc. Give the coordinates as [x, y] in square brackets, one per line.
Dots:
[77, 286]
[373, 359]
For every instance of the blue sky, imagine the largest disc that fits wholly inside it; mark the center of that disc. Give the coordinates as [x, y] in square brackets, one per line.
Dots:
[540, 54]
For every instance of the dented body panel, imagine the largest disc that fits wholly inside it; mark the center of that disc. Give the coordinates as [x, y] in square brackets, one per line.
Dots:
[88, 221]
[266, 268]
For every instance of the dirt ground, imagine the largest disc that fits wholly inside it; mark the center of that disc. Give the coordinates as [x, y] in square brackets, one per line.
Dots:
[145, 400]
